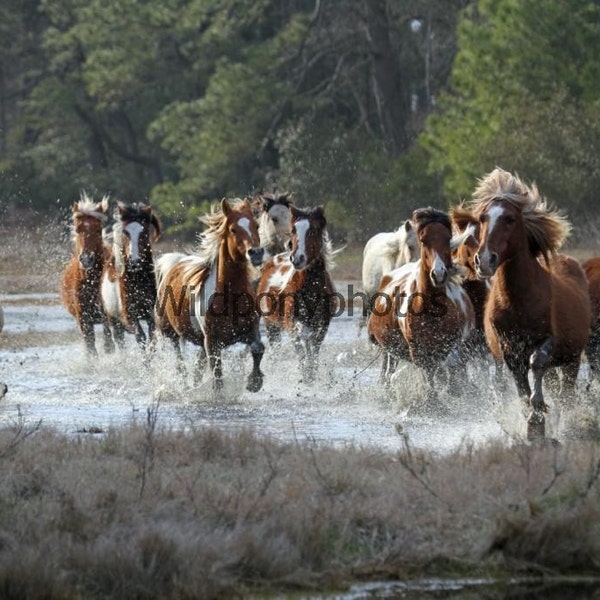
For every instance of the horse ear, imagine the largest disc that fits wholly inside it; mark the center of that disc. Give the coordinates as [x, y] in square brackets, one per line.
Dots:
[104, 204]
[294, 212]
[225, 206]
[407, 225]
[156, 223]
[75, 207]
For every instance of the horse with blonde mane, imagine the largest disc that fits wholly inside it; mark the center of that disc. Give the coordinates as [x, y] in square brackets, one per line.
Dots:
[538, 311]
[208, 298]
[80, 282]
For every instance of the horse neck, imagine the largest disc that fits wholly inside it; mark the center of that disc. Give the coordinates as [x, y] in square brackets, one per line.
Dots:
[230, 271]
[516, 275]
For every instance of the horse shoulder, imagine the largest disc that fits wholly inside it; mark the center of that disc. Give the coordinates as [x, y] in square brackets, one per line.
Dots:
[591, 268]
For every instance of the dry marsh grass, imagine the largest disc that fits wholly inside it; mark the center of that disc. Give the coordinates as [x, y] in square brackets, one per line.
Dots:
[145, 512]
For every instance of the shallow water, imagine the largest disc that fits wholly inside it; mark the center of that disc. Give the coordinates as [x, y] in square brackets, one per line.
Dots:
[52, 380]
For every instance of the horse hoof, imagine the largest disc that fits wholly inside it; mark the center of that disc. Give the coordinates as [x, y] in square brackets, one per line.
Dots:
[536, 427]
[255, 383]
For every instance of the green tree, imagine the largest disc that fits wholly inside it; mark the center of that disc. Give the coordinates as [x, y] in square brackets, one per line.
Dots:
[524, 95]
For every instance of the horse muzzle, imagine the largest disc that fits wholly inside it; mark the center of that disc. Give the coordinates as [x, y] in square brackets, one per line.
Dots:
[438, 277]
[298, 261]
[256, 256]
[87, 260]
[486, 264]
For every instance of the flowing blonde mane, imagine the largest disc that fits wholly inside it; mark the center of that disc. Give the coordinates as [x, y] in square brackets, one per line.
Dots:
[546, 229]
[207, 246]
[88, 207]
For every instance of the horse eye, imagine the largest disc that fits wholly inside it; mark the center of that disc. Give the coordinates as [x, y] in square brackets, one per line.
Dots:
[509, 220]
[275, 219]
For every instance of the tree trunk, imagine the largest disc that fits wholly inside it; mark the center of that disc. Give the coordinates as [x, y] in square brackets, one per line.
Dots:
[391, 96]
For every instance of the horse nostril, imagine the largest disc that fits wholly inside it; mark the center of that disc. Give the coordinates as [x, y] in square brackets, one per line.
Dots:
[476, 260]
[493, 260]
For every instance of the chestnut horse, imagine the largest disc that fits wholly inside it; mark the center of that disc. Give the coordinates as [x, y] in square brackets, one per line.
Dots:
[295, 291]
[207, 298]
[538, 312]
[422, 312]
[477, 289]
[80, 284]
[128, 283]
[591, 268]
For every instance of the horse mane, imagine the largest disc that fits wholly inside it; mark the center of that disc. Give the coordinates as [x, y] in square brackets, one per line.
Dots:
[546, 229]
[425, 216]
[209, 240]
[88, 207]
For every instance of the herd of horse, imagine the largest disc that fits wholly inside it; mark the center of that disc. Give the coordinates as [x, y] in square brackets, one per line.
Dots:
[484, 279]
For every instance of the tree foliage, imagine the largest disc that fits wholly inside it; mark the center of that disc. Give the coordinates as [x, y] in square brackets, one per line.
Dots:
[524, 95]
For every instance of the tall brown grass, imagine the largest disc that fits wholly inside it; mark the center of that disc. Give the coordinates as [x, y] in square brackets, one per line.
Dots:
[145, 512]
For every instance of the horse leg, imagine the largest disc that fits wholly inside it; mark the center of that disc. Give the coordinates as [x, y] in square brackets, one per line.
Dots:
[273, 333]
[118, 332]
[215, 361]
[87, 329]
[536, 424]
[140, 335]
[570, 372]
[200, 365]
[257, 349]
[592, 353]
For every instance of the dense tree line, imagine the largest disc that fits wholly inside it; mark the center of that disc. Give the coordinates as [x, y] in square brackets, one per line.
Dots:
[372, 107]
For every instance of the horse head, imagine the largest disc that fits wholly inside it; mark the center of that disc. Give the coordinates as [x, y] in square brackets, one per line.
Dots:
[502, 233]
[308, 230]
[434, 234]
[468, 228]
[241, 232]
[137, 228]
[274, 218]
[88, 219]
[408, 244]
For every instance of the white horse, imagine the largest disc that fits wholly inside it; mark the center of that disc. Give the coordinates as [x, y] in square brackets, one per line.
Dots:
[385, 252]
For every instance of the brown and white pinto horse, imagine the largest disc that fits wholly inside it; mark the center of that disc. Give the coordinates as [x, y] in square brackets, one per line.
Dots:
[538, 311]
[296, 292]
[208, 298]
[80, 283]
[422, 311]
[128, 283]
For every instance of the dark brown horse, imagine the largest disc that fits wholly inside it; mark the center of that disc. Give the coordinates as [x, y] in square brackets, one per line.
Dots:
[128, 282]
[207, 298]
[295, 291]
[80, 284]
[422, 312]
[538, 311]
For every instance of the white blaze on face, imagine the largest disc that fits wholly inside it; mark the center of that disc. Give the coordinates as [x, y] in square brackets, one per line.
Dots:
[439, 268]
[244, 223]
[302, 228]
[494, 214]
[134, 229]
